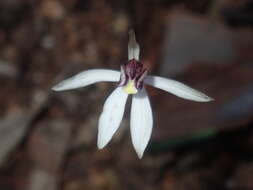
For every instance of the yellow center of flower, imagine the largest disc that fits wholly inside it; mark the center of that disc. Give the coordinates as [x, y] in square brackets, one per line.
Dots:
[129, 88]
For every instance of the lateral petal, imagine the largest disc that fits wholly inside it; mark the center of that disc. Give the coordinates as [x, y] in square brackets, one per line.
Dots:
[177, 88]
[86, 78]
[141, 122]
[111, 116]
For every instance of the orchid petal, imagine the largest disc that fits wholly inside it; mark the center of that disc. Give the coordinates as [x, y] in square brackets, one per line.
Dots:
[177, 88]
[111, 116]
[88, 77]
[141, 123]
[133, 47]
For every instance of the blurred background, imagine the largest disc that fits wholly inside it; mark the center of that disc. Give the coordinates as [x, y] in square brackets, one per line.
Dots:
[48, 139]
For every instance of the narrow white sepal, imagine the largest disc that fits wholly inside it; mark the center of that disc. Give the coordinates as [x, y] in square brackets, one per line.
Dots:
[86, 78]
[133, 47]
[177, 88]
[111, 116]
[141, 122]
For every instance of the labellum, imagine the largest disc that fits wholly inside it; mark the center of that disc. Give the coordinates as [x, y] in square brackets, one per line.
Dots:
[132, 76]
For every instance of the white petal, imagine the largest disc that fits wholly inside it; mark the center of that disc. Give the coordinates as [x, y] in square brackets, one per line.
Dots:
[111, 116]
[141, 122]
[88, 77]
[133, 47]
[177, 88]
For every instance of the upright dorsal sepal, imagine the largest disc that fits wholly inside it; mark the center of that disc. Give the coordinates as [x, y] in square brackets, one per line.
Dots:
[133, 47]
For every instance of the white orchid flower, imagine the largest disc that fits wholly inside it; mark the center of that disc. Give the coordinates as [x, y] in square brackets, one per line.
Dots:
[131, 80]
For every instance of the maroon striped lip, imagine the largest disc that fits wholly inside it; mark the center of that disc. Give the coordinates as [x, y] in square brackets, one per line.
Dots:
[133, 71]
